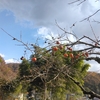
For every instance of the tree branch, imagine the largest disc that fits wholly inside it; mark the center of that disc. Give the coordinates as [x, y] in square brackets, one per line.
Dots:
[97, 59]
[87, 18]
[77, 1]
[90, 93]
[25, 44]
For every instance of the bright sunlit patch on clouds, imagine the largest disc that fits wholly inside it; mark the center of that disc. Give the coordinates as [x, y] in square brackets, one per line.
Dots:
[9, 60]
[95, 3]
[12, 61]
[94, 66]
[46, 33]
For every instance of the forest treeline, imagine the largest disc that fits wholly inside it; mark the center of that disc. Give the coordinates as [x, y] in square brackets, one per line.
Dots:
[9, 71]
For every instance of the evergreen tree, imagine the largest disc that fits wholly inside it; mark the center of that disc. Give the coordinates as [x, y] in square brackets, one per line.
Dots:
[47, 71]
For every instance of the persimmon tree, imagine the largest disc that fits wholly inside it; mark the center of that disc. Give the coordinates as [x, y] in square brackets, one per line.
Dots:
[58, 62]
[59, 65]
[48, 69]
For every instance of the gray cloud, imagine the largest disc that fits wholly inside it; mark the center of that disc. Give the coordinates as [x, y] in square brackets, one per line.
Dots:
[43, 13]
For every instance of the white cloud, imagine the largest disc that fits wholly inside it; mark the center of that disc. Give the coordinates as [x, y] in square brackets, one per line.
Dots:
[43, 15]
[94, 66]
[45, 32]
[2, 55]
[95, 4]
[12, 61]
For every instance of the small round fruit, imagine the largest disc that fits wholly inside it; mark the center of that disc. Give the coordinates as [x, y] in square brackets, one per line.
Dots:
[71, 55]
[34, 59]
[61, 47]
[76, 56]
[65, 55]
[55, 48]
[57, 42]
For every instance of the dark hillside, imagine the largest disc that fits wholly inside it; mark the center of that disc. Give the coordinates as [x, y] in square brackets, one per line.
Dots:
[14, 66]
[6, 73]
[92, 81]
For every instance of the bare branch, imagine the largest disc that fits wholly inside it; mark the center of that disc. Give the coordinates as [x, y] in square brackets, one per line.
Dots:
[81, 2]
[74, 2]
[93, 30]
[97, 59]
[25, 44]
[65, 30]
[87, 18]
[98, 22]
[90, 93]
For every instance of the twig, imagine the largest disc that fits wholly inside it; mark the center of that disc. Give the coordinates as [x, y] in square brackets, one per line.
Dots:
[97, 59]
[81, 2]
[17, 40]
[93, 31]
[87, 18]
[96, 21]
[77, 1]
[74, 2]
[65, 30]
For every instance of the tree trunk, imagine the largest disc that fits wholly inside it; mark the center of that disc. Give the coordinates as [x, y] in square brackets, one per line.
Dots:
[45, 92]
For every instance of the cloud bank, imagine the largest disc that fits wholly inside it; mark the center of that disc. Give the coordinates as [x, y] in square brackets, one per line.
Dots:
[42, 14]
[12, 61]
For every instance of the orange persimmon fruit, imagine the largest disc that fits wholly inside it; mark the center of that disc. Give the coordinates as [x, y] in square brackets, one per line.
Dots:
[55, 48]
[71, 55]
[34, 59]
[65, 55]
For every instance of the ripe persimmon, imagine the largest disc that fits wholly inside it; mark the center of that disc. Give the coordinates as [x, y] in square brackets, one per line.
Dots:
[34, 59]
[61, 47]
[71, 55]
[76, 56]
[55, 48]
[65, 55]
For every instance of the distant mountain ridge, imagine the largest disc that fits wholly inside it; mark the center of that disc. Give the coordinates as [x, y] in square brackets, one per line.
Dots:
[92, 81]
[6, 72]
[13, 66]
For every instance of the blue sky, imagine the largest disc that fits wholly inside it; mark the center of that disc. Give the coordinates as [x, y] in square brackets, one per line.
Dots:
[8, 47]
[36, 19]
